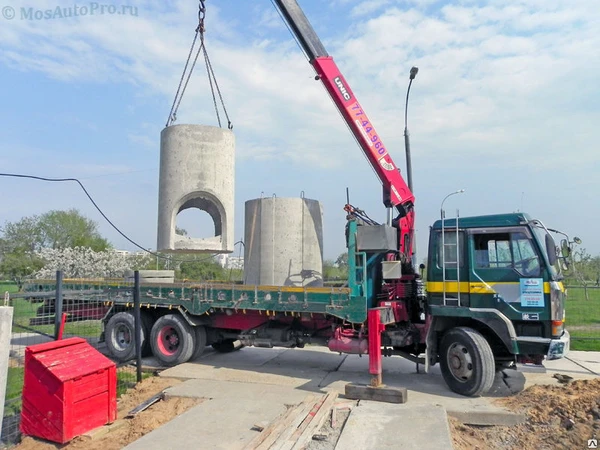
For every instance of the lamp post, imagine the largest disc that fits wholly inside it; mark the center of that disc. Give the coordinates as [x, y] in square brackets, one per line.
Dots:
[413, 74]
[443, 216]
[442, 213]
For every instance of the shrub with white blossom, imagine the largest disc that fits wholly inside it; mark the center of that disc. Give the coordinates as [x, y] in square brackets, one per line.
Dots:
[83, 262]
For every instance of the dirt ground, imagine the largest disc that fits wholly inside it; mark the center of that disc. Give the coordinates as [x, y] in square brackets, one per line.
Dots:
[562, 416]
[127, 430]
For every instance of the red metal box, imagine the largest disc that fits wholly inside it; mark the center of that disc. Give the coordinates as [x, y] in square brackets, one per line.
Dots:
[69, 388]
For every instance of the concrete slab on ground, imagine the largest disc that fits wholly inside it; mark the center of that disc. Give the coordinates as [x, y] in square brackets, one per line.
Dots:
[253, 385]
[286, 367]
[577, 364]
[374, 425]
[225, 419]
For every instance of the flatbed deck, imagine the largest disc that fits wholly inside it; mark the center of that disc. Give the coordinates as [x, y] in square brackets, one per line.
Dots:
[206, 298]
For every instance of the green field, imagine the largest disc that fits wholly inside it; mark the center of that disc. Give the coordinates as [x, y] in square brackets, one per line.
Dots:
[583, 318]
[7, 286]
[24, 310]
[14, 386]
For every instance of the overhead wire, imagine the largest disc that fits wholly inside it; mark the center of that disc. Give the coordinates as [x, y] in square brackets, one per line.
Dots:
[158, 255]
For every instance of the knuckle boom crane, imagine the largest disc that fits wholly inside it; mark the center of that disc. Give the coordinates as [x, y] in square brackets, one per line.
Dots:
[494, 296]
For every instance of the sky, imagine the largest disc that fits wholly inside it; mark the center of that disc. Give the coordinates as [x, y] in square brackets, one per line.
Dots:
[505, 106]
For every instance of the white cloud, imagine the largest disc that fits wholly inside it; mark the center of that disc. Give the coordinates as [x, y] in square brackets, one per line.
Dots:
[511, 83]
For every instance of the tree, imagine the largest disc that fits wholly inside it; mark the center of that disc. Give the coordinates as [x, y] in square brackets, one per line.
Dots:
[22, 236]
[201, 270]
[342, 261]
[22, 241]
[584, 270]
[336, 270]
[20, 266]
[69, 229]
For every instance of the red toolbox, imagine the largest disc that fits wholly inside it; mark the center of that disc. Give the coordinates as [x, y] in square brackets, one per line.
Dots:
[69, 389]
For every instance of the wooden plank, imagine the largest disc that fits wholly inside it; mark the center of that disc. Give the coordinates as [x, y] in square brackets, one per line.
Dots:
[269, 435]
[269, 430]
[380, 394]
[316, 423]
[310, 403]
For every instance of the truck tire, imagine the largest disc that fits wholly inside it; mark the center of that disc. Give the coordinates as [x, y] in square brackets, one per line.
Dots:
[147, 321]
[199, 342]
[120, 336]
[467, 362]
[172, 340]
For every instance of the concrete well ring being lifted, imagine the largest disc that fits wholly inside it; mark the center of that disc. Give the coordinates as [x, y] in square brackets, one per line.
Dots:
[197, 170]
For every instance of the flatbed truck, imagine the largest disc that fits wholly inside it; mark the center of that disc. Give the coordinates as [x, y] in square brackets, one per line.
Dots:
[492, 297]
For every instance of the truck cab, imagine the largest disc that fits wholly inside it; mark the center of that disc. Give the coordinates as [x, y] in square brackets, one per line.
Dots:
[499, 275]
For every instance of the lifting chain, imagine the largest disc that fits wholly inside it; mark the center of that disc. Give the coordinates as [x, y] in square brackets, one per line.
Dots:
[212, 80]
[201, 16]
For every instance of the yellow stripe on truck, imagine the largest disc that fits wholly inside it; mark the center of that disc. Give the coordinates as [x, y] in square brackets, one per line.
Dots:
[472, 287]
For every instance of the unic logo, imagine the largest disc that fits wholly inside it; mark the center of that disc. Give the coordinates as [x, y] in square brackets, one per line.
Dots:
[340, 85]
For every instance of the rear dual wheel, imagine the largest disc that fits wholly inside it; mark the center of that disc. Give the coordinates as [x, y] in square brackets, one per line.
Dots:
[174, 341]
[120, 335]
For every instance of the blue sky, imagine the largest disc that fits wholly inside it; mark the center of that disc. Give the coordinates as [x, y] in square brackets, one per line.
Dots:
[505, 106]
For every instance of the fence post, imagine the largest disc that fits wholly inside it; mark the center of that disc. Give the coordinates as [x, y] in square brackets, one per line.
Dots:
[138, 325]
[58, 303]
[6, 315]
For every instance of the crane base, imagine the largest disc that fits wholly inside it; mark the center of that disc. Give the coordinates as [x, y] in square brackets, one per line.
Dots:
[379, 394]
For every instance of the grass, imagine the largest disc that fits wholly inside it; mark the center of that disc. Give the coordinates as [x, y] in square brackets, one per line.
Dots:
[14, 386]
[25, 310]
[8, 286]
[126, 379]
[583, 318]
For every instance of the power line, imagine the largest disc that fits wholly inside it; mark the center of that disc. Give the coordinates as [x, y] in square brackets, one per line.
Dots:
[158, 255]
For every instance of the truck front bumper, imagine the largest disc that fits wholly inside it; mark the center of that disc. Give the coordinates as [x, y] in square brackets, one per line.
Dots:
[559, 347]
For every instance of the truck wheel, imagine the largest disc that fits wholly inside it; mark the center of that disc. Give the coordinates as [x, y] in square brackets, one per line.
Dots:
[120, 336]
[467, 362]
[172, 340]
[199, 342]
[147, 322]
[226, 346]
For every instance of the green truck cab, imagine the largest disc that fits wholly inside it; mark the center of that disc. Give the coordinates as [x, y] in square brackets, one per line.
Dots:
[496, 277]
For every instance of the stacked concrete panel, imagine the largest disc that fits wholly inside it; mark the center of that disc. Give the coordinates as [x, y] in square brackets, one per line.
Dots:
[283, 242]
[197, 168]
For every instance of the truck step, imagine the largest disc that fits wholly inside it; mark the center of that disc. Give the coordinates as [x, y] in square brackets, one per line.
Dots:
[530, 368]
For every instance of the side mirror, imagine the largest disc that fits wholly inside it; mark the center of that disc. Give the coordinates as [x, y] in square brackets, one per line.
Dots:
[577, 240]
[565, 249]
[551, 250]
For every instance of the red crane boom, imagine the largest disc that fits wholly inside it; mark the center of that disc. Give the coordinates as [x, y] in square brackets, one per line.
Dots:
[396, 192]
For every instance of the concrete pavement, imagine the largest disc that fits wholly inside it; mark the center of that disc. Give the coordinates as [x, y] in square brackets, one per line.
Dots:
[253, 385]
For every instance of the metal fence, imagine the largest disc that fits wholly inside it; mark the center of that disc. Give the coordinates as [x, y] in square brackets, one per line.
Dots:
[583, 316]
[67, 309]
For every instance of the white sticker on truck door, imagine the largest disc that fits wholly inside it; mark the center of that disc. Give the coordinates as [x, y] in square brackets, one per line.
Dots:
[532, 292]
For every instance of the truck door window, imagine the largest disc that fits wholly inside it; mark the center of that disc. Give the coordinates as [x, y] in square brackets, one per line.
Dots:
[506, 250]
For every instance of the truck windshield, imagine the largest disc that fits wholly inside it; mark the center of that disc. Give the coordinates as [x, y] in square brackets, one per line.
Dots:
[542, 236]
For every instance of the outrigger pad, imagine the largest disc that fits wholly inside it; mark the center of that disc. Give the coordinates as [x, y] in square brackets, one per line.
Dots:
[378, 394]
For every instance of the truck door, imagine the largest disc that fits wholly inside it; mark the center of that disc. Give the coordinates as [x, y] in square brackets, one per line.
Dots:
[448, 276]
[506, 272]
